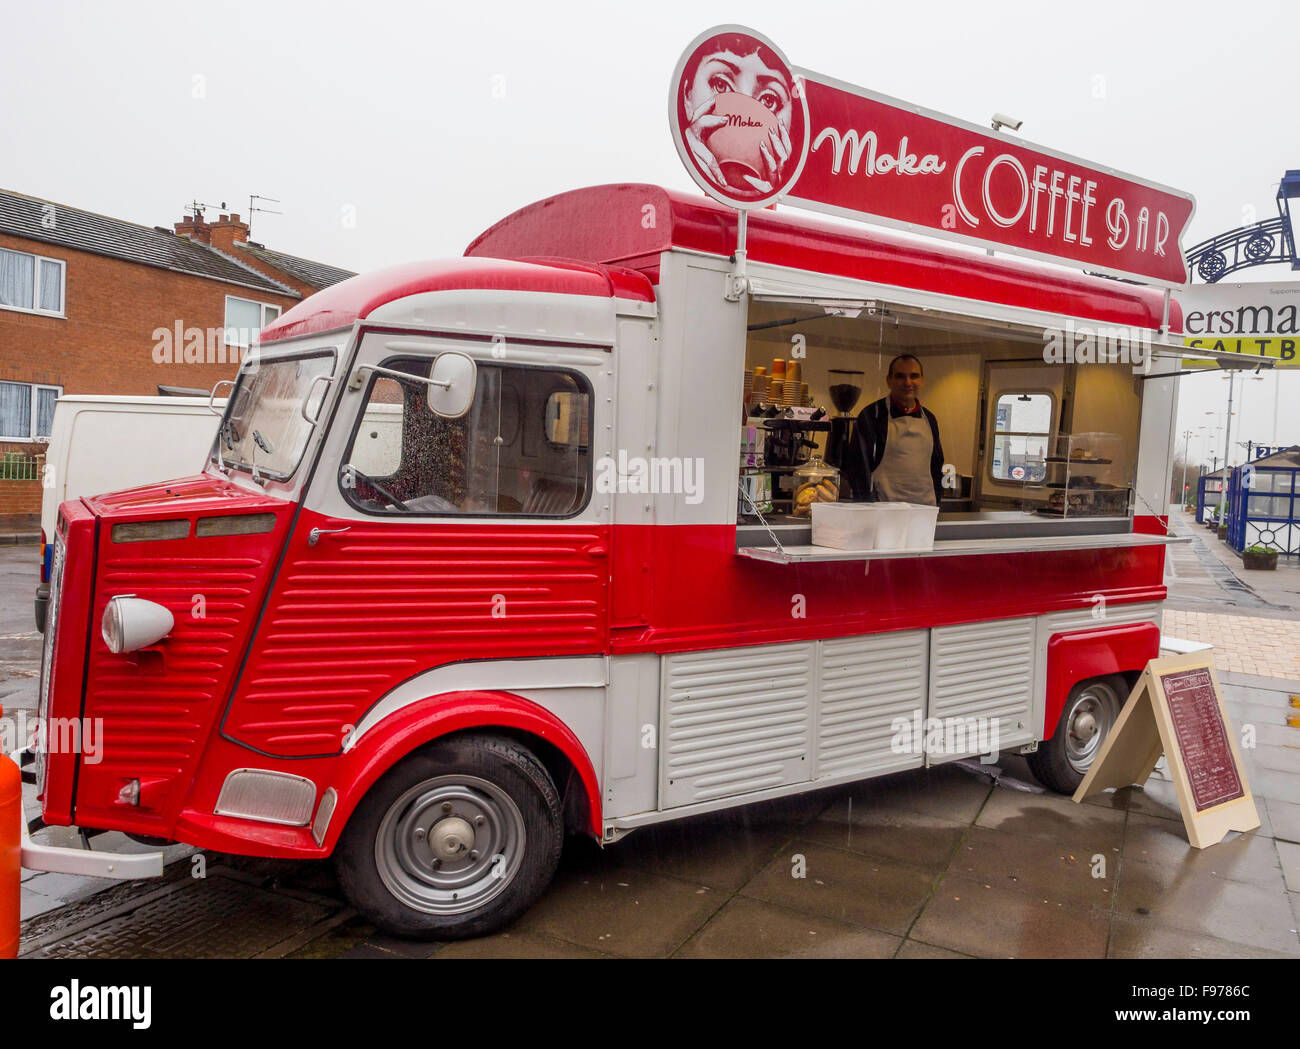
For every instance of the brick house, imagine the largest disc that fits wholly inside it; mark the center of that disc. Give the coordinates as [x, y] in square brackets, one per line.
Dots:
[94, 305]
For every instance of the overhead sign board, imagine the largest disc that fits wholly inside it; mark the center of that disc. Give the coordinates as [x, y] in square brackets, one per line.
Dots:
[1253, 320]
[752, 129]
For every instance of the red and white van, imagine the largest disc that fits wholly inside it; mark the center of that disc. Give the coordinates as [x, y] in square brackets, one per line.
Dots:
[402, 617]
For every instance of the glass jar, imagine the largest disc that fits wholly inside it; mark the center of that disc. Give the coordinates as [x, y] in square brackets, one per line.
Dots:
[814, 482]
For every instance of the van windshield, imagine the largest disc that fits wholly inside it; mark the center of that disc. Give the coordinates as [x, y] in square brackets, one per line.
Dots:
[266, 420]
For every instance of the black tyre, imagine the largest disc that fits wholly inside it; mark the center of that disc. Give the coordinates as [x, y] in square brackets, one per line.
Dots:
[1089, 714]
[455, 841]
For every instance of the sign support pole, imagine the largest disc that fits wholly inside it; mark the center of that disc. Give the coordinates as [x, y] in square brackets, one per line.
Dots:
[738, 284]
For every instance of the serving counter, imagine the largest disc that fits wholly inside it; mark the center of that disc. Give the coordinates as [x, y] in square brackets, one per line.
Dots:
[956, 535]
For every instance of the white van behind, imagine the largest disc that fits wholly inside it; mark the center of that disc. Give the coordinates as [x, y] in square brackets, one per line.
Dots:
[105, 444]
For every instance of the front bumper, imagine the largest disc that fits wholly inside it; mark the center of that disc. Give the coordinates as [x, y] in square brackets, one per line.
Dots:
[60, 859]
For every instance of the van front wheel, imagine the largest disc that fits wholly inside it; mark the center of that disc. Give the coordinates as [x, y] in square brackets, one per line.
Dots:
[1090, 712]
[455, 841]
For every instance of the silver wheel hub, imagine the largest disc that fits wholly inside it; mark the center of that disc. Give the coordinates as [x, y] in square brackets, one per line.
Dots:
[1084, 726]
[1089, 718]
[452, 838]
[450, 844]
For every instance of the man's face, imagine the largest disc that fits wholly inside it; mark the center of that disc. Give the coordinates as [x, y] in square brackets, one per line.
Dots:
[905, 381]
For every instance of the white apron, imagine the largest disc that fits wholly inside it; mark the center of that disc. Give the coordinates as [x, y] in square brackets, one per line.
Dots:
[903, 475]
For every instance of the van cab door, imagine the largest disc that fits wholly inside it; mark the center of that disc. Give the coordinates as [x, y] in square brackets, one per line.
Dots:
[425, 540]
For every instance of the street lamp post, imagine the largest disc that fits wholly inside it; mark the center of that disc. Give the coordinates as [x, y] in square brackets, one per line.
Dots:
[1187, 447]
[1227, 448]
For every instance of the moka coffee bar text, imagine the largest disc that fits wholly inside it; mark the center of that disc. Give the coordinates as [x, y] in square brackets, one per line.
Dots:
[880, 159]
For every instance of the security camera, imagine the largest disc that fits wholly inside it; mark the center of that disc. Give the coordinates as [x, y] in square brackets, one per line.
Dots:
[1001, 120]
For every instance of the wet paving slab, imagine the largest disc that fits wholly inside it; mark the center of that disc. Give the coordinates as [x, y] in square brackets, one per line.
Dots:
[931, 863]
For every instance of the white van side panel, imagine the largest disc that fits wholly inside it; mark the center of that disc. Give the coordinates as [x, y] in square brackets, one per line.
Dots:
[743, 725]
[736, 720]
[109, 446]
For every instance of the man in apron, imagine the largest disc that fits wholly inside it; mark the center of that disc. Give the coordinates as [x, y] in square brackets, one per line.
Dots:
[898, 441]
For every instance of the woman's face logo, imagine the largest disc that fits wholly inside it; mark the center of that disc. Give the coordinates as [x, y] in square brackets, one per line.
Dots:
[739, 113]
[749, 75]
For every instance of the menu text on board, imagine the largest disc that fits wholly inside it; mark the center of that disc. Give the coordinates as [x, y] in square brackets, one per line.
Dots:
[1202, 737]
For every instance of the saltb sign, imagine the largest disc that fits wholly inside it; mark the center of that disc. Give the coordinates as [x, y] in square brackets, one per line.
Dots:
[752, 129]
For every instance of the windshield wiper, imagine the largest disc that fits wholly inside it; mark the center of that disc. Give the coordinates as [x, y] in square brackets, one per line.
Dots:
[260, 442]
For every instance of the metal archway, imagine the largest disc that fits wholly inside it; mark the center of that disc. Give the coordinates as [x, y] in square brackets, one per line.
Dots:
[1260, 244]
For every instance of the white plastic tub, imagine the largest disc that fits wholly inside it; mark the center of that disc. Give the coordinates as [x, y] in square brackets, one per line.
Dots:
[844, 526]
[894, 523]
[874, 526]
[921, 523]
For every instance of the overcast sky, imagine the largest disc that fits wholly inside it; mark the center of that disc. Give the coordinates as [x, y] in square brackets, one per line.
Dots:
[393, 131]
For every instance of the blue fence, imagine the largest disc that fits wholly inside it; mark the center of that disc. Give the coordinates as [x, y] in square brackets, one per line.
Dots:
[1264, 508]
[1208, 489]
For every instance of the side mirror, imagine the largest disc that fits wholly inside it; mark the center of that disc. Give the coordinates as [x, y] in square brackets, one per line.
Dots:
[212, 397]
[452, 383]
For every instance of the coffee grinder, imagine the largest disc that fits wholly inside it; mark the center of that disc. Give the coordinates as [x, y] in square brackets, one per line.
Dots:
[845, 391]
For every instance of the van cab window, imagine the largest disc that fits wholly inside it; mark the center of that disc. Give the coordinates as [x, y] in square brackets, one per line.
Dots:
[521, 449]
[267, 422]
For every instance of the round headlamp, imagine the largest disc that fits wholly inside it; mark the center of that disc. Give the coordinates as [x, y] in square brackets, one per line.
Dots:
[131, 623]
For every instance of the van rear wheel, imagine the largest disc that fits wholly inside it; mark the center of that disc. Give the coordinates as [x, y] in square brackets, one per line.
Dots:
[455, 841]
[1090, 712]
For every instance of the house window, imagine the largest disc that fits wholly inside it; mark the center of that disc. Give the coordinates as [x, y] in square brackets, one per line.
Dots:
[245, 318]
[1022, 427]
[31, 283]
[27, 411]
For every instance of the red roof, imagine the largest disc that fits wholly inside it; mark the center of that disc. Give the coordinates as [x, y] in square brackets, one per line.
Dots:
[355, 299]
[631, 224]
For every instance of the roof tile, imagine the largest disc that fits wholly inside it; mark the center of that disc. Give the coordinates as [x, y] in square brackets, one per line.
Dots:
[21, 216]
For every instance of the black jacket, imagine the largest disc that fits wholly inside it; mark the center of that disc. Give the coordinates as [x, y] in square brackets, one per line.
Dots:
[870, 434]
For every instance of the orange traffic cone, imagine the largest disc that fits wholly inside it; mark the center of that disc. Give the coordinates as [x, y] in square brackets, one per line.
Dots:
[11, 813]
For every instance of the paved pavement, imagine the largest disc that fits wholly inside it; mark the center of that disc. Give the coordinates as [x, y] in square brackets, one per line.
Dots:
[942, 862]
[937, 863]
[1252, 618]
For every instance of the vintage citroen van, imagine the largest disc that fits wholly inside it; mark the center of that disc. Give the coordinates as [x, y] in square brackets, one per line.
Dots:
[417, 611]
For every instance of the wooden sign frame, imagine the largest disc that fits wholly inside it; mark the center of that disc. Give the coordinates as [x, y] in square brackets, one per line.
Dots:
[1213, 800]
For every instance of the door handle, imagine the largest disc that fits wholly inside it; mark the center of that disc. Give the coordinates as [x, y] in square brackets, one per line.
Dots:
[313, 537]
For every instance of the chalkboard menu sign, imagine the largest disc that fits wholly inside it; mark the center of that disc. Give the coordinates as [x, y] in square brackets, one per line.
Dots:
[1176, 709]
[1202, 737]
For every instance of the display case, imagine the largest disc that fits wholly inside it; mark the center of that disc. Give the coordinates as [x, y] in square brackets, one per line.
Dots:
[814, 482]
[1082, 475]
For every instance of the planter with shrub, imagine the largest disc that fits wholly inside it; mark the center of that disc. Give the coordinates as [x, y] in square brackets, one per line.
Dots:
[1260, 558]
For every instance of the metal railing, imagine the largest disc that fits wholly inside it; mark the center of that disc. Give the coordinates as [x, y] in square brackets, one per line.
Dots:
[15, 466]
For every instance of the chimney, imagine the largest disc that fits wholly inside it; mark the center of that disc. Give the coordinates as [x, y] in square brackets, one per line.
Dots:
[195, 229]
[226, 231]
